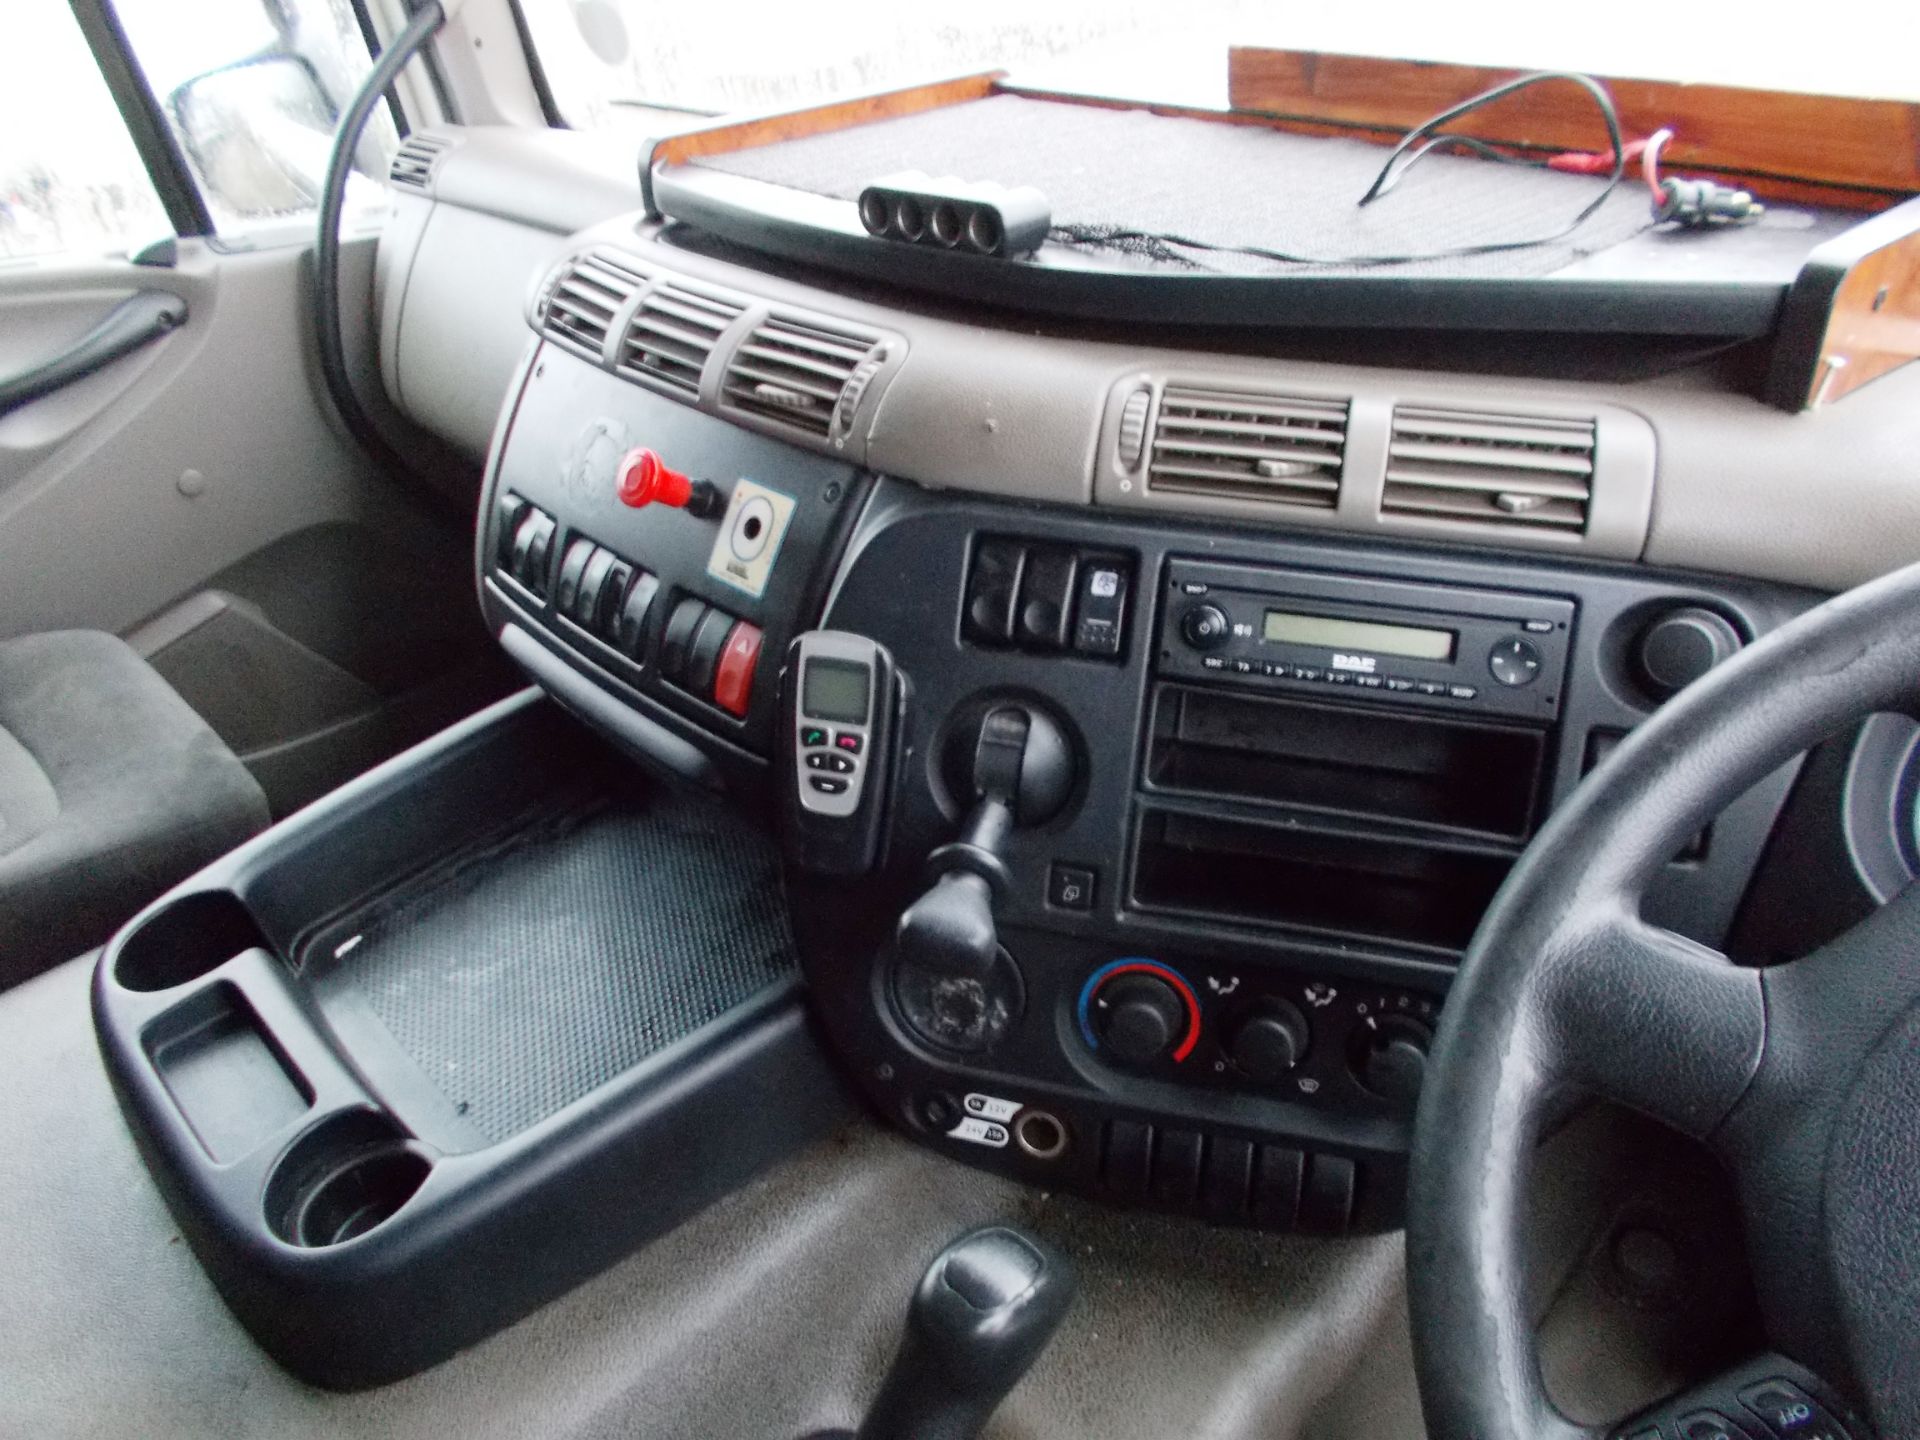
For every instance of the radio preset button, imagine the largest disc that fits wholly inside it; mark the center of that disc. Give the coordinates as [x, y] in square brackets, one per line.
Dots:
[1514, 662]
[1399, 682]
[1430, 687]
[1462, 692]
[1372, 682]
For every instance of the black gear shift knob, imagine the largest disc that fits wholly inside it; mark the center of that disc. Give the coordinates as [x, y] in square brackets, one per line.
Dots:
[983, 1313]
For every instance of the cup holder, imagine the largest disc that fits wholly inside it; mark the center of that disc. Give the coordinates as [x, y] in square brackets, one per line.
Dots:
[342, 1179]
[184, 941]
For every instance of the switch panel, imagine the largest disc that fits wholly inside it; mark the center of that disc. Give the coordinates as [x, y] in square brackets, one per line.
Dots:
[1047, 598]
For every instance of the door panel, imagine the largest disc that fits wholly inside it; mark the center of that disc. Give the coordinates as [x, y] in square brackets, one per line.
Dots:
[134, 486]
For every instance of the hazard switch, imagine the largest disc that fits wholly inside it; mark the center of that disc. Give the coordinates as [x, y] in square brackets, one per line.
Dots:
[733, 680]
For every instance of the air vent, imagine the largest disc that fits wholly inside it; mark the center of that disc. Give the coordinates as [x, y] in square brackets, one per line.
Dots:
[793, 371]
[1283, 449]
[1519, 471]
[673, 332]
[590, 291]
[413, 162]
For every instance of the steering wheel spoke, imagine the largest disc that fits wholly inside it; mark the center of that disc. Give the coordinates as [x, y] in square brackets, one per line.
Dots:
[1655, 1021]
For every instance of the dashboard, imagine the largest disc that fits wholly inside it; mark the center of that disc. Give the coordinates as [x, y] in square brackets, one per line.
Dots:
[1147, 726]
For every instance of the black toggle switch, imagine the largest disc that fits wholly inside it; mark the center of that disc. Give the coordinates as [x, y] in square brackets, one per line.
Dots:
[630, 625]
[1046, 598]
[993, 591]
[1100, 605]
[677, 643]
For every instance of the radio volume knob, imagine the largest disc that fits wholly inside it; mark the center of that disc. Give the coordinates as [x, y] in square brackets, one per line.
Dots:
[1205, 627]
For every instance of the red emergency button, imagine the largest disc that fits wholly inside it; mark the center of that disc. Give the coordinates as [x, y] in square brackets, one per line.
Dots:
[733, 680]
[646, 480]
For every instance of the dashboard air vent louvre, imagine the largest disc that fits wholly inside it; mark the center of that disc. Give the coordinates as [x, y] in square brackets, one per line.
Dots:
[591, 290]
[793, 371]
[673, 331]
[1519, 471]
[1243, 445]
[413, 162]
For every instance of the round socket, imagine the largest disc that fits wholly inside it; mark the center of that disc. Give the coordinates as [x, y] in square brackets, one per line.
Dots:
[875, 212]
[984, 231]
[947, 224]
[909, 220]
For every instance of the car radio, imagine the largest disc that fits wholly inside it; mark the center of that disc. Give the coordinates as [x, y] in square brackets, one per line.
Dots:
[1438, 646]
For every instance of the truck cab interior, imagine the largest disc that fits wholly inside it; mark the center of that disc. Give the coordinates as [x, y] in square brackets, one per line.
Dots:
[916, 727]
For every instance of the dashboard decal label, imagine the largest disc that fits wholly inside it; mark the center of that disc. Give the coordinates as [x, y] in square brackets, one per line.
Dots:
[990, 1107]
[980, 1132]
[750, 535]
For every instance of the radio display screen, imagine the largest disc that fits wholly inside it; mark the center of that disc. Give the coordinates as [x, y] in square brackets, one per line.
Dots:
[835, 690]
[1291, 628]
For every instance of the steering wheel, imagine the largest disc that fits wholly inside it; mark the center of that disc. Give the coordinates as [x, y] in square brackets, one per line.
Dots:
[1803, 1078]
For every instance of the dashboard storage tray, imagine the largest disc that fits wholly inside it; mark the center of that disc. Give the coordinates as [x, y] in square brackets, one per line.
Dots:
[457, 1037]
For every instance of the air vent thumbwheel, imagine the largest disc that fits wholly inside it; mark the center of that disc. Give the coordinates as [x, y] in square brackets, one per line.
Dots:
[973, 217]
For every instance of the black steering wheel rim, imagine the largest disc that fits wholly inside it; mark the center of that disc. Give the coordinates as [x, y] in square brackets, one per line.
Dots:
[1565, 994]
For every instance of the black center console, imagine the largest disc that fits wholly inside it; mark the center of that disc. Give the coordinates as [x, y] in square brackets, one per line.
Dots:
[1205, 974]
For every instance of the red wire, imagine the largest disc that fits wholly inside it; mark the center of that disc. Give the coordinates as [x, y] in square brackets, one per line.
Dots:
[1650, 158]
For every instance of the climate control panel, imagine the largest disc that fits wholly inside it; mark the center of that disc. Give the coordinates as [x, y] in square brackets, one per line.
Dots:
[1323, 1042]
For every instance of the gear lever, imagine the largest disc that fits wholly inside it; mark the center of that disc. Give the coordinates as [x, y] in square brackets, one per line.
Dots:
[984, 1311]
[957, 988]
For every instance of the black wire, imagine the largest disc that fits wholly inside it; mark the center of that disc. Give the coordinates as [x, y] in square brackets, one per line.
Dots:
[1146, 242]
[333, 195]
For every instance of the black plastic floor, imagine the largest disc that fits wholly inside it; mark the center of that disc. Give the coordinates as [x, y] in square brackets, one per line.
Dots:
[526, 971]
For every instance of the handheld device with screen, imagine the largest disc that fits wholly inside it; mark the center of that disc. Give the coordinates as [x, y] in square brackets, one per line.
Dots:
[838, 704]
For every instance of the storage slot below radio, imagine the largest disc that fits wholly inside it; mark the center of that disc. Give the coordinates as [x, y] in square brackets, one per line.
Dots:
[1318, 879]
[1369, 762]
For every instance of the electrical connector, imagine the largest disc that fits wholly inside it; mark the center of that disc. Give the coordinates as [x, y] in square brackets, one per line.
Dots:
[1697, 204]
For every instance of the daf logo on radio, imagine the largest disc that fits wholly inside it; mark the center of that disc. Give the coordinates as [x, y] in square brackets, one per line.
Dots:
[1363, 663]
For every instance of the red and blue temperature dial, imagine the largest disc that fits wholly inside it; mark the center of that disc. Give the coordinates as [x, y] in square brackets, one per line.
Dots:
[1139, 1011]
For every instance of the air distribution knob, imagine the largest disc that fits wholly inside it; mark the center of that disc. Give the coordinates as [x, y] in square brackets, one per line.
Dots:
[1682, 645]
[1139, 1018]
[1269, 1040]
[1391, 1057]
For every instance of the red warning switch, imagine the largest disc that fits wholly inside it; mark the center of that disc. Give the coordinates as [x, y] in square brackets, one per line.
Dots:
[646, 480]
[733, 679]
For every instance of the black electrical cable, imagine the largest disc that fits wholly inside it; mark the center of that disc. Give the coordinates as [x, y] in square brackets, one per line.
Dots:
[1154, 244]
[426, 21]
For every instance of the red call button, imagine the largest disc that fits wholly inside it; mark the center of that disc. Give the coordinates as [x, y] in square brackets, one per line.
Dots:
[733, 680]
[646, 480]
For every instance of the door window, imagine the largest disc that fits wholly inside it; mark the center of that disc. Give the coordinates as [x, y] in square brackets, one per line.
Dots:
[70, 179]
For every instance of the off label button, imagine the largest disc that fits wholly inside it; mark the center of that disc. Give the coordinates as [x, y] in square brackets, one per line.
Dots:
[976, 1131]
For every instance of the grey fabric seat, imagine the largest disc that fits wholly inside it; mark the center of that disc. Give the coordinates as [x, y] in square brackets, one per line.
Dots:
[111, 790]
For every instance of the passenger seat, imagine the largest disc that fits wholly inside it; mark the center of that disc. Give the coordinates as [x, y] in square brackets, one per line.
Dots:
[111, 790]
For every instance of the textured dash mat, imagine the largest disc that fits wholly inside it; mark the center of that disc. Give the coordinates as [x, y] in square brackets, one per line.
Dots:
[524, 973]
[1225, 184]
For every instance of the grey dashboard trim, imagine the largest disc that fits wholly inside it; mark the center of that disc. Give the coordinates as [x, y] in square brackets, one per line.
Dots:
[1827, 499]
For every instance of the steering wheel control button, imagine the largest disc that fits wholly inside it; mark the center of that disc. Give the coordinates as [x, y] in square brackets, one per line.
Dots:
[1205, 627]
[1071, 887]
[1268, 1041]
[1711, 1425]
[1789, 1413]
[1514, 662]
